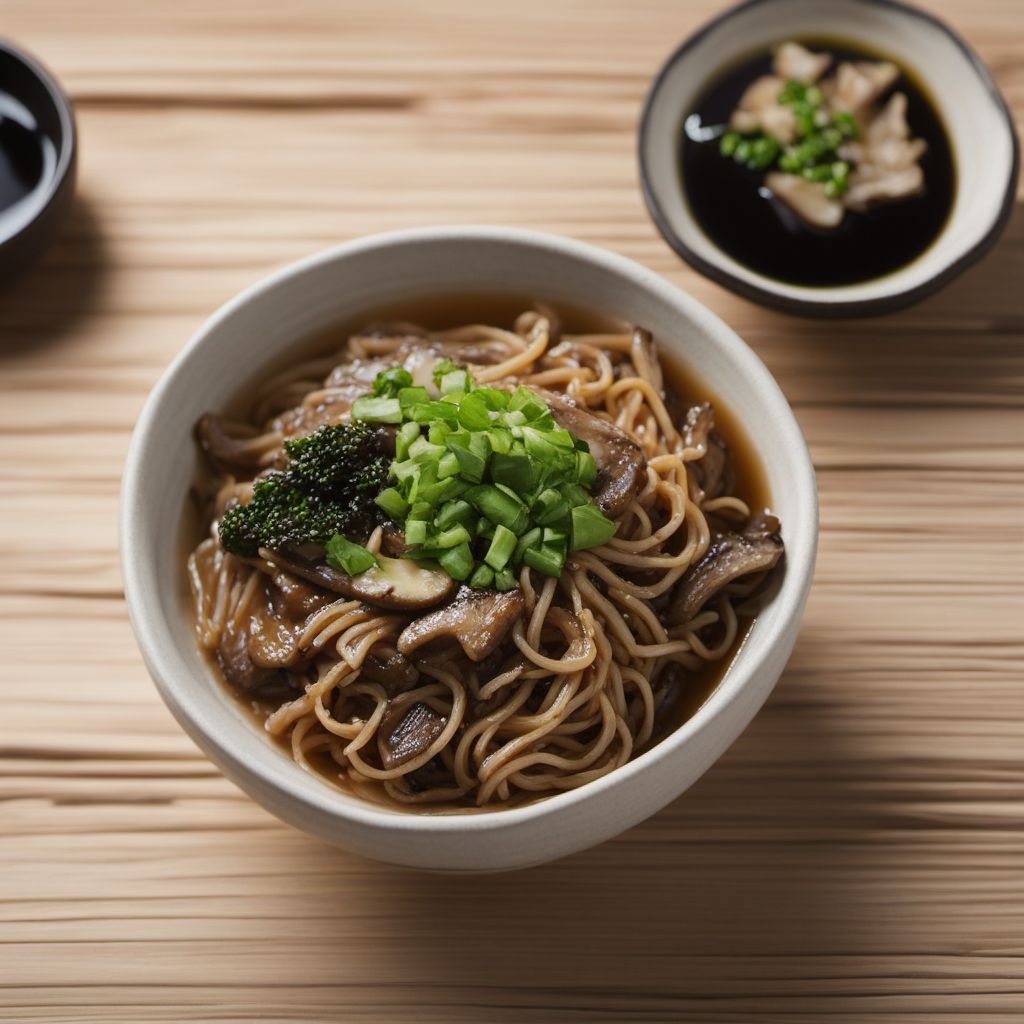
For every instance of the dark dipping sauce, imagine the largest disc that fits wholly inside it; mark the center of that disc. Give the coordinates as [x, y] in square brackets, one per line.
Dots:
[726, 201]
[501, 310]
[26, 153]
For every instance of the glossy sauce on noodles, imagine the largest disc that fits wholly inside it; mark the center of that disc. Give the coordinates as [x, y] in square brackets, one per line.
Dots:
[501, 311]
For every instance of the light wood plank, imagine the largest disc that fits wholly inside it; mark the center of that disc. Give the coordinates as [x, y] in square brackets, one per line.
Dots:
[858, 855]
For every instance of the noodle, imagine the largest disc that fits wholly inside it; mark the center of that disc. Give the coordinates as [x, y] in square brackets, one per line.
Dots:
[586, 675]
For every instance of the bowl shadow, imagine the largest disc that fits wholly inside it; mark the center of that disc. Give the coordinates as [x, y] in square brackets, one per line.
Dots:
[41, 305]
[752, 869]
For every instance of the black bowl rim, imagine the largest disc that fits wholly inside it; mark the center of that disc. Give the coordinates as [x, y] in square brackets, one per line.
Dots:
[68, 140]
[807, 307]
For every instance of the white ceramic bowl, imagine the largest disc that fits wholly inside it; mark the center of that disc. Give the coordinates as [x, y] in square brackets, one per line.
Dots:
[980, 127]
[253, 331]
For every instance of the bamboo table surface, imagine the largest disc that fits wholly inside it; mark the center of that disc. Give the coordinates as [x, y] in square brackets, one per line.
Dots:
[859, 852]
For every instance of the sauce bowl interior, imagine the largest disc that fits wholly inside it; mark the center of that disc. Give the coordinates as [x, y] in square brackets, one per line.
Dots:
[980, 130]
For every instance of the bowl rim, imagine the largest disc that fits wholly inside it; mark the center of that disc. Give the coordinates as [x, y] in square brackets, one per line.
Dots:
[155, 639]
[68, 138]
[809, 307]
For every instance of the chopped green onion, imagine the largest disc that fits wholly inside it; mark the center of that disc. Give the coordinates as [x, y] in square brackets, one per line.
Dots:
[391, 381]
[452, 537]
[407, 433]
[377, 410]
[554, 538]
[495, 399]
[545, 560]
[421, 510]
[448, 465]
[421, 450]
[549, 507]
[482, 578]
[424, 412]
[505, 580]
[457, 562]
[454, 512]
[515, 470]
[471, 465]
[455, 380]
[574, 495]
[586, 468]
[499, 507]
[347, 557]
[415, 531]
[590, 527]
[392, 502]
[409, 397]
[728, 143]
[473, 413]
[528, 540]
[483, 480]
[502, 547]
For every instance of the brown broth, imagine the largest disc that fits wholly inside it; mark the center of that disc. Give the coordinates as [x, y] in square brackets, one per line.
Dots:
[726, 201]
[446, 312]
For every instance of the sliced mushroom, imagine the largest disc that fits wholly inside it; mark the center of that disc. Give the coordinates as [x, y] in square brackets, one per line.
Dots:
[273, 641]
[407, 734]
[807, 199]
[394, 583]
[620, 460]
[392, 670]
[759, 108]
[700, 421]
[295, 599]
[699, 432]
[393, 540]
[795, 63]
[478, 619]
[241, 670]
[730, 557]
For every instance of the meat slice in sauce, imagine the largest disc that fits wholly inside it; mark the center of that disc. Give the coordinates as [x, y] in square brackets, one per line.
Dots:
[886, 160]
[406, 733]
[730, 557]
[759, 109]
[795, 63]
[621, 465]
[807, 199]
[478, 619]
[857, 84]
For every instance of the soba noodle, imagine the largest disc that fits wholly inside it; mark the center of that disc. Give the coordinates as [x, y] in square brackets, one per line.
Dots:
[588, 673]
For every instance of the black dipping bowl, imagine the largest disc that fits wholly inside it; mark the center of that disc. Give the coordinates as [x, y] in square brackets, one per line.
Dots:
[38, 154]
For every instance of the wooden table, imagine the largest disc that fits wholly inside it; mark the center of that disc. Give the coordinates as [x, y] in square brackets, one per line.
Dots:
[857, 855]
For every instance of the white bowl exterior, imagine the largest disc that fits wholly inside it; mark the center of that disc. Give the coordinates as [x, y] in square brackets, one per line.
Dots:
[363, 276]
[981, 141]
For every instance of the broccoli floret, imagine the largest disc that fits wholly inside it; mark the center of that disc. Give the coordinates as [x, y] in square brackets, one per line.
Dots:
[338, 459]
[329, 483]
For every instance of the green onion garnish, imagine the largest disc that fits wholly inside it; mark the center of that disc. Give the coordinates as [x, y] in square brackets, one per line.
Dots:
[813, 155]
[483, 480]
[347, 557]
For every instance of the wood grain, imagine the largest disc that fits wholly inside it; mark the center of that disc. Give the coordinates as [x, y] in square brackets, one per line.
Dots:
[857, 855]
